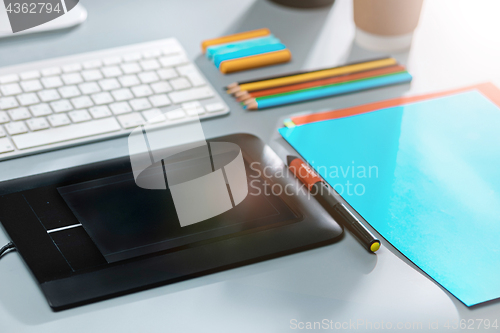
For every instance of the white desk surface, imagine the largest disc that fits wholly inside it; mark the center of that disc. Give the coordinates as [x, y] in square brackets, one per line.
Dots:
[455, 45]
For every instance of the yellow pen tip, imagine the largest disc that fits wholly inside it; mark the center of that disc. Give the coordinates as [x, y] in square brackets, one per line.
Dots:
[375, 246]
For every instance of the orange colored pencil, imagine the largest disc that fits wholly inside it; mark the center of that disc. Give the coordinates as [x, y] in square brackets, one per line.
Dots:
[322, 82]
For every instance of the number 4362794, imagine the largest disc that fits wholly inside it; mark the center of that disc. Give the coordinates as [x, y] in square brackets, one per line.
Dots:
[32, 8]
[472, 324]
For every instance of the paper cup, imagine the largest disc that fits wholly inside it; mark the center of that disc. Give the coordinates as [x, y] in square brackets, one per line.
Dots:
[386, 25]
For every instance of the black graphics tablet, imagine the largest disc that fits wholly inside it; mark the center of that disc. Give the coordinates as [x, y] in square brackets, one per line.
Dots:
[89, 233]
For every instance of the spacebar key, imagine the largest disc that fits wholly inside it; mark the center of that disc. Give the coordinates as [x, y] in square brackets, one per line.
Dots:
[68, 133]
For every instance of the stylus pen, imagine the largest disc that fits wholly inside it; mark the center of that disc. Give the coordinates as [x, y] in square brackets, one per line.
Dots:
[330, 197]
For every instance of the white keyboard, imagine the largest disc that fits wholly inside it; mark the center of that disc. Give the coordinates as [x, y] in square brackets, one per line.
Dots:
[73, 100]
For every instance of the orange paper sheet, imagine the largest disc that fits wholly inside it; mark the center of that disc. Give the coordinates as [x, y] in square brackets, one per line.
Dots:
[487, 89]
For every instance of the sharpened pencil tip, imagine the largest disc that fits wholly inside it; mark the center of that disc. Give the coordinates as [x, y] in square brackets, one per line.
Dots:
[233, 90]
[252, 106]
[248, 101]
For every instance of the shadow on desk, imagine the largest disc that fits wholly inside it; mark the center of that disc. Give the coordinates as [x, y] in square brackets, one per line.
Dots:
[312, 270]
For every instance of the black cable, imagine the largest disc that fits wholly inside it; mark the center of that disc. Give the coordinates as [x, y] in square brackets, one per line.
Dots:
[6, 248]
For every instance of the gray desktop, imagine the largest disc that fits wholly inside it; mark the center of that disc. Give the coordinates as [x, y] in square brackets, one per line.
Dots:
[339, 283]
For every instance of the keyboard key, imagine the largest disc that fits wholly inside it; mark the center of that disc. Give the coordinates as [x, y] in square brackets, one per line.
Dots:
[72, 78]
[40, 110]
[151, 54]
[6, 146]
[111, 71]
[153, 116]
[167, 74]
[109, 84]
[89, 88]
[52, 82]
[61, 106]
[196, 79]
[75, 131]
[191, 105]
[81, 102]
[140, 104]
[10, 89]
[92, 64]
[102, 98]
[159, 100]
[131, 120]
[131, 68]
[175, 114]
[186, 69]
[51, 71]
[122, 94]
[120, 108]
[180, 83]
[49, 95]
[129, 80]
[161, 87]
[8, 103]
[195, 111]
[9, 78]
[31, 85]
[148, 65]
[173, 60]
[37, 124]
[69, 91]
[214, 107]
[2, 132]
[192, 74]
[57, 120]
[178, 97]
[15, 128]
[28, 99]
[142, 90]
[92, 75]
[30, 75]
[100, 111]
[19, 114]
[79, 116]
[4, 118]
[132, 57]
[173, 48]
[112, 61]
[148, 77]
[72, 68]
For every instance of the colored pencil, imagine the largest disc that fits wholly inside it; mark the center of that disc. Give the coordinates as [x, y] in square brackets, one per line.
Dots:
[325, 86]
[260, 85]
[323, 82]
[248, 101]
[329, 91]
[234, 84]
[234, 38]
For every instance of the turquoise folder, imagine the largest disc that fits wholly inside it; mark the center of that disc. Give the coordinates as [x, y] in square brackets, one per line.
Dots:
[426, 176]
